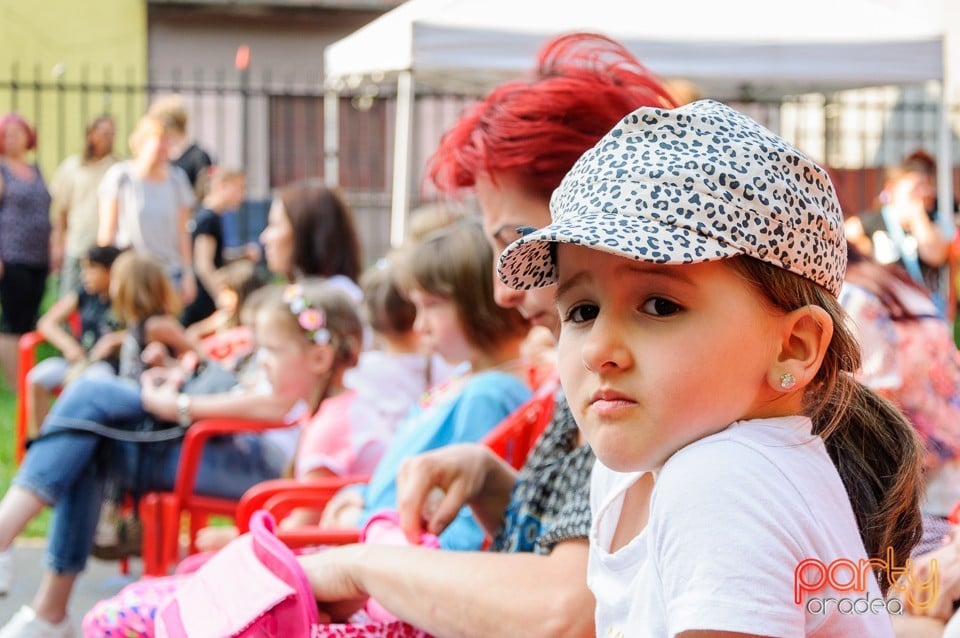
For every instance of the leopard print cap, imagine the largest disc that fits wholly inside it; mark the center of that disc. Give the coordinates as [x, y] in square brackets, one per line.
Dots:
[694, 184]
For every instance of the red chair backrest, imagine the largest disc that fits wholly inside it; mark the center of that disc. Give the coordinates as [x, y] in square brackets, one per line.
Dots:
[514, 437]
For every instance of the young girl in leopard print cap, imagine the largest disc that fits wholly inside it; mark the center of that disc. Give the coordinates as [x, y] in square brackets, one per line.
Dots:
[745, 483]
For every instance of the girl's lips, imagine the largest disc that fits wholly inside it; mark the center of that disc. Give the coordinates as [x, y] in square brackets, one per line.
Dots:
[606, 402]
[609, 394]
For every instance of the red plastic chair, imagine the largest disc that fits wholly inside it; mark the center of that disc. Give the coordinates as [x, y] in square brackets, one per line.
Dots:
[161, 512]
[27, 359]
[512, 440]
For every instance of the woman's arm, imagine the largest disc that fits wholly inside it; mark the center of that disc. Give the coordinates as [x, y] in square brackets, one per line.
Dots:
[463, 593]
[188, 285]
[50, 325]
[159, 391]
[107, 228]
[932, 245]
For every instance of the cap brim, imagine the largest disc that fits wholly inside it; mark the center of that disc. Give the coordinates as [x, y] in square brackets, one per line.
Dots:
[529, 262]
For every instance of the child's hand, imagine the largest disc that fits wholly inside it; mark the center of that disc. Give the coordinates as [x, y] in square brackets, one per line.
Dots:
[163, 376]
[917, 601]
[210, 539]
[154, 354]
[343, 510]
[74, 353]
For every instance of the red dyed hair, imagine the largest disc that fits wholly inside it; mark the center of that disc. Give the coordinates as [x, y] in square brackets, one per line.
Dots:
[536, 129]
[16, 118]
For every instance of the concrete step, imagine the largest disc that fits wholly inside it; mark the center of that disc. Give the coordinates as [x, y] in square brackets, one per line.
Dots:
[100, 580]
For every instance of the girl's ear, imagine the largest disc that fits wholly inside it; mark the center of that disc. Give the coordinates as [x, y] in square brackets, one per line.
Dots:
[805, 337]
[322, 357]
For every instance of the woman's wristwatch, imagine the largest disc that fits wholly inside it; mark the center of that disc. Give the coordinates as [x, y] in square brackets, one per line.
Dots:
[183, 410]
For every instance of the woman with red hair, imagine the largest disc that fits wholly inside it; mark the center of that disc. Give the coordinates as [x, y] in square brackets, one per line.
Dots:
[24, 238]
[513, 148]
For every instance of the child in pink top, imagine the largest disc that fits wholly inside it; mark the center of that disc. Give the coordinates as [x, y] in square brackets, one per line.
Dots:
[328, 320]
[334, 444]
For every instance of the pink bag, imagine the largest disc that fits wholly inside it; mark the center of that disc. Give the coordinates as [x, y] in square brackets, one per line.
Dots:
[383, 528]
[218, 600]
[374, 621]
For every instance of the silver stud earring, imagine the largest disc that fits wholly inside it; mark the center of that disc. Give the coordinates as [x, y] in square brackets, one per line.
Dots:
[787, 381]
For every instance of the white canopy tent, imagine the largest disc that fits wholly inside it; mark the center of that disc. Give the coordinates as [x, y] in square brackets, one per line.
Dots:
[733, 48]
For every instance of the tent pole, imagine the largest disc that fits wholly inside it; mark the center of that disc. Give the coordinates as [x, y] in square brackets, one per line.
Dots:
[945, 166]
[331, 138]
[402, 153]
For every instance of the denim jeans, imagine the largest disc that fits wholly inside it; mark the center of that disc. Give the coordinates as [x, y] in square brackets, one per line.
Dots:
[69, 468]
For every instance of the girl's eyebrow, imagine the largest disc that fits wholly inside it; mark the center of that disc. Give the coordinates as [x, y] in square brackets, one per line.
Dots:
[562, 287]
[639, 268]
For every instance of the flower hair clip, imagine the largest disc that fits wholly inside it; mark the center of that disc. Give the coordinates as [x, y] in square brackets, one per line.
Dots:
[312, 320]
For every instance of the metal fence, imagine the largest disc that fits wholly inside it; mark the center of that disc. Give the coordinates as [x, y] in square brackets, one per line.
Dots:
[274, 130]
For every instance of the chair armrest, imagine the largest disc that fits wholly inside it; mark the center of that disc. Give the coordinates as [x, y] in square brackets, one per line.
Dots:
[281, 496]
[196, 437]
[315, 537]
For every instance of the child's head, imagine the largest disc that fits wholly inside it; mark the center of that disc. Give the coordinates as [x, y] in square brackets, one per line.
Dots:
[698, 257]
[915, 178]
[431, 217]
[149, 140]
[447, 276]
[226, 189]
[170, 109]
[140, 288]
[95, 269]
[388, 311]
[308, 335]
[310, 232]
[234, 283]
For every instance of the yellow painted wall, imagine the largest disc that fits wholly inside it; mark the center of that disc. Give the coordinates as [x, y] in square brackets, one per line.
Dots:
[64, 45]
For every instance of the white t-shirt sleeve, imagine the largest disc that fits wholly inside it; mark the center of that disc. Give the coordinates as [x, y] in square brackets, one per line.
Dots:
[728, 543]
[110, 184]
[184, 192]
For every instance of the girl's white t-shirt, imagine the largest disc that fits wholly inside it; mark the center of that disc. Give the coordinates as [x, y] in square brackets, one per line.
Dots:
[732, 517]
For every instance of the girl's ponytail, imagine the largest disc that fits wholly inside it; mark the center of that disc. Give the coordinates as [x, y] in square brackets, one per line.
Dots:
[878, 456]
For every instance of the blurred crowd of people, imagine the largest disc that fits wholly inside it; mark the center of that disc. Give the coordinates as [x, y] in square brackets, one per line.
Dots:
[394, 370]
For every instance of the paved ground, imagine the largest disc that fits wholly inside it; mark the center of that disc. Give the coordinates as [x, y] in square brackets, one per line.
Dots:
[101, 579]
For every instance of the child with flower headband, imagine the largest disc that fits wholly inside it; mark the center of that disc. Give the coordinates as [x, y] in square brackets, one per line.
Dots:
[743, 476]
[308, 335]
